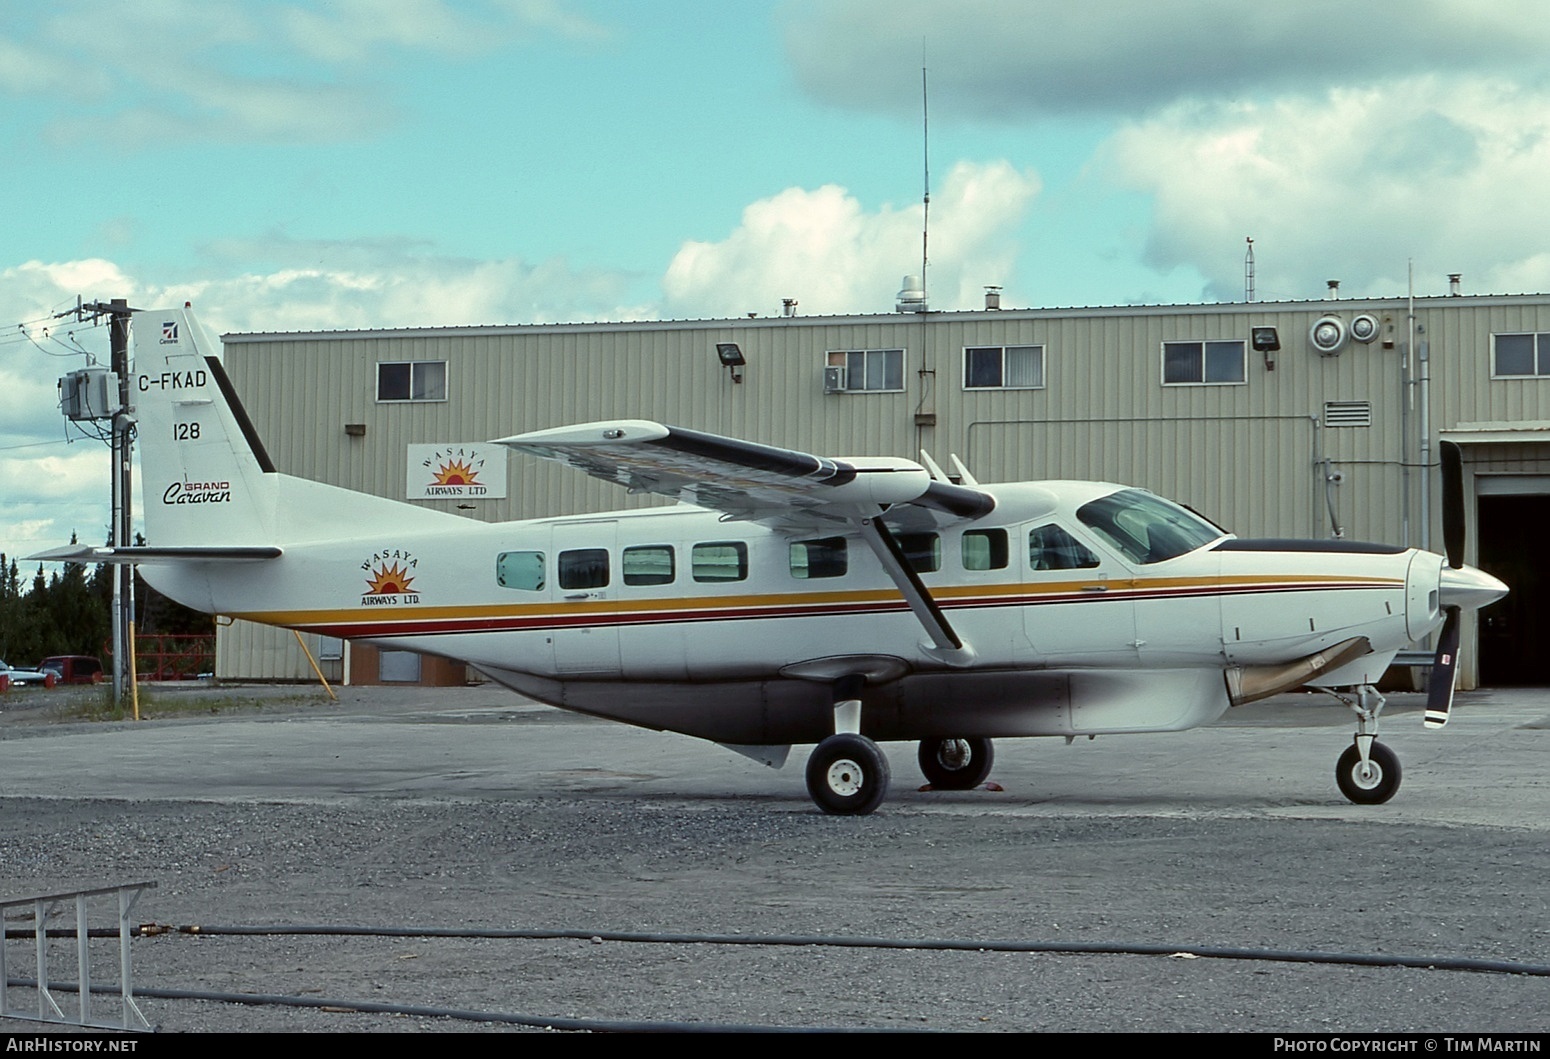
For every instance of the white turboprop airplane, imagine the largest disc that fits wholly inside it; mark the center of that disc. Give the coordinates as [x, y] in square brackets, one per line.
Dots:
[793, 599]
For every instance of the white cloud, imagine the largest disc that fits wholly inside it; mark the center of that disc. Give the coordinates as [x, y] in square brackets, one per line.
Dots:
[188, 69]
[822, 248]
[1455, 175]
[1010, 59]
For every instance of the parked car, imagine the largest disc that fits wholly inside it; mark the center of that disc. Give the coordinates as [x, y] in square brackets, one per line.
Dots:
[18, 677]
[73, 669]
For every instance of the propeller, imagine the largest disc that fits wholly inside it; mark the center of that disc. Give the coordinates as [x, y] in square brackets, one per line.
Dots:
[1452, 461]
[1439, 696]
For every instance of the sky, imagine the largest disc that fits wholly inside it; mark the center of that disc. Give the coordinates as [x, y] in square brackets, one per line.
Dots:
[319, 164]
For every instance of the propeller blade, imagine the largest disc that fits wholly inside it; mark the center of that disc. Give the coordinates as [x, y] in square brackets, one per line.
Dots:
[1439, 696]
[1452, 461]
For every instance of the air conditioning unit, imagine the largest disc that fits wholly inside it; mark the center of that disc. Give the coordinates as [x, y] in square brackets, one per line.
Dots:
[834, 379]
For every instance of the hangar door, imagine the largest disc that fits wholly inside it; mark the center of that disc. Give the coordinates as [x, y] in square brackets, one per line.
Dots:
[1513, 514]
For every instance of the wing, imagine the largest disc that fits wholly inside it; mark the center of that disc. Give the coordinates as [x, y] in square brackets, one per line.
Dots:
[781, 488]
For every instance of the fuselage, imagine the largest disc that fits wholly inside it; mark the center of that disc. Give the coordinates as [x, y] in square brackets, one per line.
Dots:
[678, 604]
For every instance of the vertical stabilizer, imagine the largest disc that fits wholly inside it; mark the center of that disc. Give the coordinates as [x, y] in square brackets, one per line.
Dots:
[205, 476]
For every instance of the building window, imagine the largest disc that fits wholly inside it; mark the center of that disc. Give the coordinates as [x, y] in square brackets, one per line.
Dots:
[868, 370]
[720, 561]
[1205, 363]
[420, 380]
[650, 564]
[1520, 356]
[1003, 368]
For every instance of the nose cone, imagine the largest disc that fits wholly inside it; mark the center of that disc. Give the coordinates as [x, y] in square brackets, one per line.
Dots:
[1468, 588]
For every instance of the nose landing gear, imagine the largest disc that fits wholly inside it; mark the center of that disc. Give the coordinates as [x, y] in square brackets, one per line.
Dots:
[1368, 772]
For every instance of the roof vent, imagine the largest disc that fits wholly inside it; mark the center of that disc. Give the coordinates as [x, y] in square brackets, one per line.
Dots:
[912, 296]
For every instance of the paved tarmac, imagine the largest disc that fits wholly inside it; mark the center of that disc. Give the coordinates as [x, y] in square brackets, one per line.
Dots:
[1272, 758]
[471, 807]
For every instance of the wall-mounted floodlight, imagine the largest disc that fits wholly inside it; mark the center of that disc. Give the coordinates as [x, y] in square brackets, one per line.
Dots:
[1266, 340]
[732, 359]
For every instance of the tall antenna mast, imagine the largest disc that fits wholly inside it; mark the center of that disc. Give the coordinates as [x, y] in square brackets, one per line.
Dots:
[1248, 272]
[925, 160]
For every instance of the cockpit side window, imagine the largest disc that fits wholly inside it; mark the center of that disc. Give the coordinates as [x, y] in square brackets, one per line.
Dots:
[1052, 548]
[1146, 528]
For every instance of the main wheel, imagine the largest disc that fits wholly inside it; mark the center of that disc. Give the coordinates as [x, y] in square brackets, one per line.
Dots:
[847, 775]
[956, 764]
[1373, 785]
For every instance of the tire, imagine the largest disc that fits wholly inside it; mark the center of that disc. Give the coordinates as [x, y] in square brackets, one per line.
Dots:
[956, 764]
[847, 775]
[1375, 788]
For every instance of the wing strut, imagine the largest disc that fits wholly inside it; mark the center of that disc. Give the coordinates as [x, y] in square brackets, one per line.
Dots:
[945, 642]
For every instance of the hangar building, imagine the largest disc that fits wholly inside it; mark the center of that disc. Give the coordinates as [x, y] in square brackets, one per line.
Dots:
[1274, 419]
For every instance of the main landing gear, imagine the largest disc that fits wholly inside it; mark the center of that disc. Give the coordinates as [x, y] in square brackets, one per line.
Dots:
[956, 764]
[1368, 772]
[848, 774]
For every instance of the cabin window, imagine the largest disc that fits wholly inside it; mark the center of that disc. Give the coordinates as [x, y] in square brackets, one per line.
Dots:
[584, 568]
[819, 558]
[985, 549]
[520, 570]
[720, 561]
[1520, 356]
[923, 551]
[868, 370]
[1205, 363]
[1052, 548]
[1145, 527]
[419, 380]
[1003, 368]
[650, 564]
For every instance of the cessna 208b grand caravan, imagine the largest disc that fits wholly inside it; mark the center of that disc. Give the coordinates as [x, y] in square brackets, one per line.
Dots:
[790, 599]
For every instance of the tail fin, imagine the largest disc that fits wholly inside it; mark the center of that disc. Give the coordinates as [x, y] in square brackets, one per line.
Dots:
[206, 476]
[207, 480]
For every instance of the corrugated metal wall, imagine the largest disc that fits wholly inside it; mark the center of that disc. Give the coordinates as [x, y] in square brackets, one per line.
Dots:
[1251, 456]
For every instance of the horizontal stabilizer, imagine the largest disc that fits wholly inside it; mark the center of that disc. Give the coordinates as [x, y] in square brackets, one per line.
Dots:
[187, 554]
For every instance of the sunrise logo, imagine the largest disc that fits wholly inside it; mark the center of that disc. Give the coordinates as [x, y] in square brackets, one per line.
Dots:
[388, 580]
[456, 472]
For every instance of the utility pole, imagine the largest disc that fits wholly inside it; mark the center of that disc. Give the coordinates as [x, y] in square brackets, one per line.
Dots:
[123, 513]
[121, 531]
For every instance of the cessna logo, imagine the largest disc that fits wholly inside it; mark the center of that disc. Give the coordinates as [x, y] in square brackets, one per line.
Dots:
[197, 493]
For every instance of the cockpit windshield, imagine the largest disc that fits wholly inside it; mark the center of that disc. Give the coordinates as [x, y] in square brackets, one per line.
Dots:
[1145, 527]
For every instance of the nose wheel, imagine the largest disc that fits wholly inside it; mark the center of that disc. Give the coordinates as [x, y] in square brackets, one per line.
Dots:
[1370, 782]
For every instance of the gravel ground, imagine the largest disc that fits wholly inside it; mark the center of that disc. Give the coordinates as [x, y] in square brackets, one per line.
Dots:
[594, 862]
